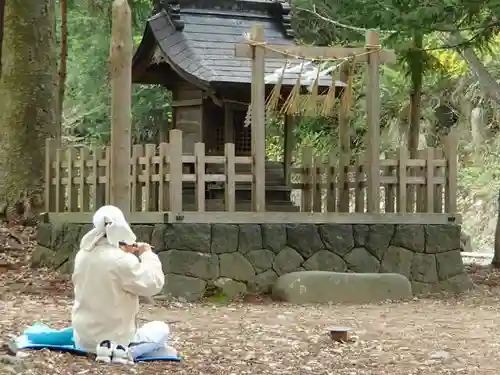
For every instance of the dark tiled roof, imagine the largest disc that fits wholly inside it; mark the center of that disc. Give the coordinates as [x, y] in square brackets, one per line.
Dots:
[201, 42]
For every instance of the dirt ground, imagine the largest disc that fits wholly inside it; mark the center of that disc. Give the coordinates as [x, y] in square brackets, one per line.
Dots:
[445, 335]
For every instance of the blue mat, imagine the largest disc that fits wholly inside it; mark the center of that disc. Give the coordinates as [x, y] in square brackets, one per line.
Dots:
[42, 337]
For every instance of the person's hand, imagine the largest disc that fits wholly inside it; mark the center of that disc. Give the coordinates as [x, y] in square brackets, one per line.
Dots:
[129, 248]
[142, 247]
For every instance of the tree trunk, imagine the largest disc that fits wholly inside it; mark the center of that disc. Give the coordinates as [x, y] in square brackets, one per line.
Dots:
[63, 64]
[28, 89]
[486, 80]
[416, 72]
[2, 11]
[496, 257]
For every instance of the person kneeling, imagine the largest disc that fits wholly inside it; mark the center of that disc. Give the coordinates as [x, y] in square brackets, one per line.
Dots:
[111, 272]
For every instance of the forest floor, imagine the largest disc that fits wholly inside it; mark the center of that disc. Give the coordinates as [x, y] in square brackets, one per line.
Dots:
[445, 335]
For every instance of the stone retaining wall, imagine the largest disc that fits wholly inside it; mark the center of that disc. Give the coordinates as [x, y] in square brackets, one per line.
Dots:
[250, 257]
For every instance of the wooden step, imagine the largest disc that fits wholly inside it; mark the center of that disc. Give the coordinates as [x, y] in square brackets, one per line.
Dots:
[243, 206]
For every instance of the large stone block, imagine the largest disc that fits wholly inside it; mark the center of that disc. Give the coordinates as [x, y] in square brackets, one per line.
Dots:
[442, 238]
[449, 264]
[304, 238]
[250, 238]
[158, 238]
[361, 260]
[236, 266]
[188, 288]
[456, 284]
[224, 238]
[195, 237]
[325, 260]
[361, 233]
[261, 260]
[190, 263]
[68, 266]
[66, 243]
[42, 257]
[143, 232]
[273, 237]
[338, 238]
[410, 236]
[287, 260]
[332, 287]
[374, 237]
[420, 288]
[84, 229]
[397, 260]
[423, 268]
[44, 234]
[231, 288]
[262, 282]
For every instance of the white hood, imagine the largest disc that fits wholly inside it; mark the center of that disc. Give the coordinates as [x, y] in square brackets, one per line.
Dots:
[109, 222]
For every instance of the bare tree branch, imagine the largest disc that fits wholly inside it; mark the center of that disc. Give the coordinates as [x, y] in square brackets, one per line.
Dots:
[360, 30]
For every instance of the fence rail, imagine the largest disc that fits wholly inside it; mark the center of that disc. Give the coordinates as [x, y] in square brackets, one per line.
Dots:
[163, 179]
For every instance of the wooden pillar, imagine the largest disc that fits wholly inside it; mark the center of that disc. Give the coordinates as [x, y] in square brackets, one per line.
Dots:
[258, 121]
[121, 96]
[228, 123]
[51, 146]
[289, 146]
[450, 150]
[373, 122]
[344, 143]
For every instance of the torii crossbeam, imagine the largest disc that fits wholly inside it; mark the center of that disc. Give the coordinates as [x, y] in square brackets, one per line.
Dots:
[372, 54]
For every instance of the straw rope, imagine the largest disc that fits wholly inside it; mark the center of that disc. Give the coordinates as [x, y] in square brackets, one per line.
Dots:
[293, 102]
[370, 49]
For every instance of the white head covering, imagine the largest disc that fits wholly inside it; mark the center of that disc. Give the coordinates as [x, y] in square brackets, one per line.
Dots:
[109, 222]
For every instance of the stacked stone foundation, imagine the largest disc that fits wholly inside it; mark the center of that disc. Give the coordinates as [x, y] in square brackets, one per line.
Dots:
[248, 258]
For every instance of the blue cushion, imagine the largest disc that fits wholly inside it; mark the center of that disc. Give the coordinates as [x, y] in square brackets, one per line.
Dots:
[41, 334]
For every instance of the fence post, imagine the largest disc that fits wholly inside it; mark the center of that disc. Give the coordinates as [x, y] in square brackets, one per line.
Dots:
[317, 183]
[373, 119]
[343, 173]
[162, 170]
[136, 196]
[230, 201]
[175, 171]
[84, 186]
[359, 193]
[199, 153]
[150, 186]
[429, 180]
[420, 202]
[60, 186]
[307, 171]
[438, 188]
[331, 183]
[450, 149]
[71, 189]
[51, 146]
[402, 169]
[389, 188]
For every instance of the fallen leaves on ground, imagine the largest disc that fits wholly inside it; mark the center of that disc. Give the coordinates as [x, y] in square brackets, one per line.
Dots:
[451, 335]
[484, 275]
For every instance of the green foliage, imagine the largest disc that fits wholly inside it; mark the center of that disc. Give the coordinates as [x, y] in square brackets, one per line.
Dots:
[87, 109]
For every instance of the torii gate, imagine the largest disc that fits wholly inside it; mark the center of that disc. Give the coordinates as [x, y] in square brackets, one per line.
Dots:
[372, 54]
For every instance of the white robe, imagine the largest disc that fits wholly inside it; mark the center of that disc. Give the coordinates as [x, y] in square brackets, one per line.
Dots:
[108, 282]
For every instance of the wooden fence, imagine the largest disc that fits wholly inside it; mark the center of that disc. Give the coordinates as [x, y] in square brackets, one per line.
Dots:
[423, 185]
[77, 179]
